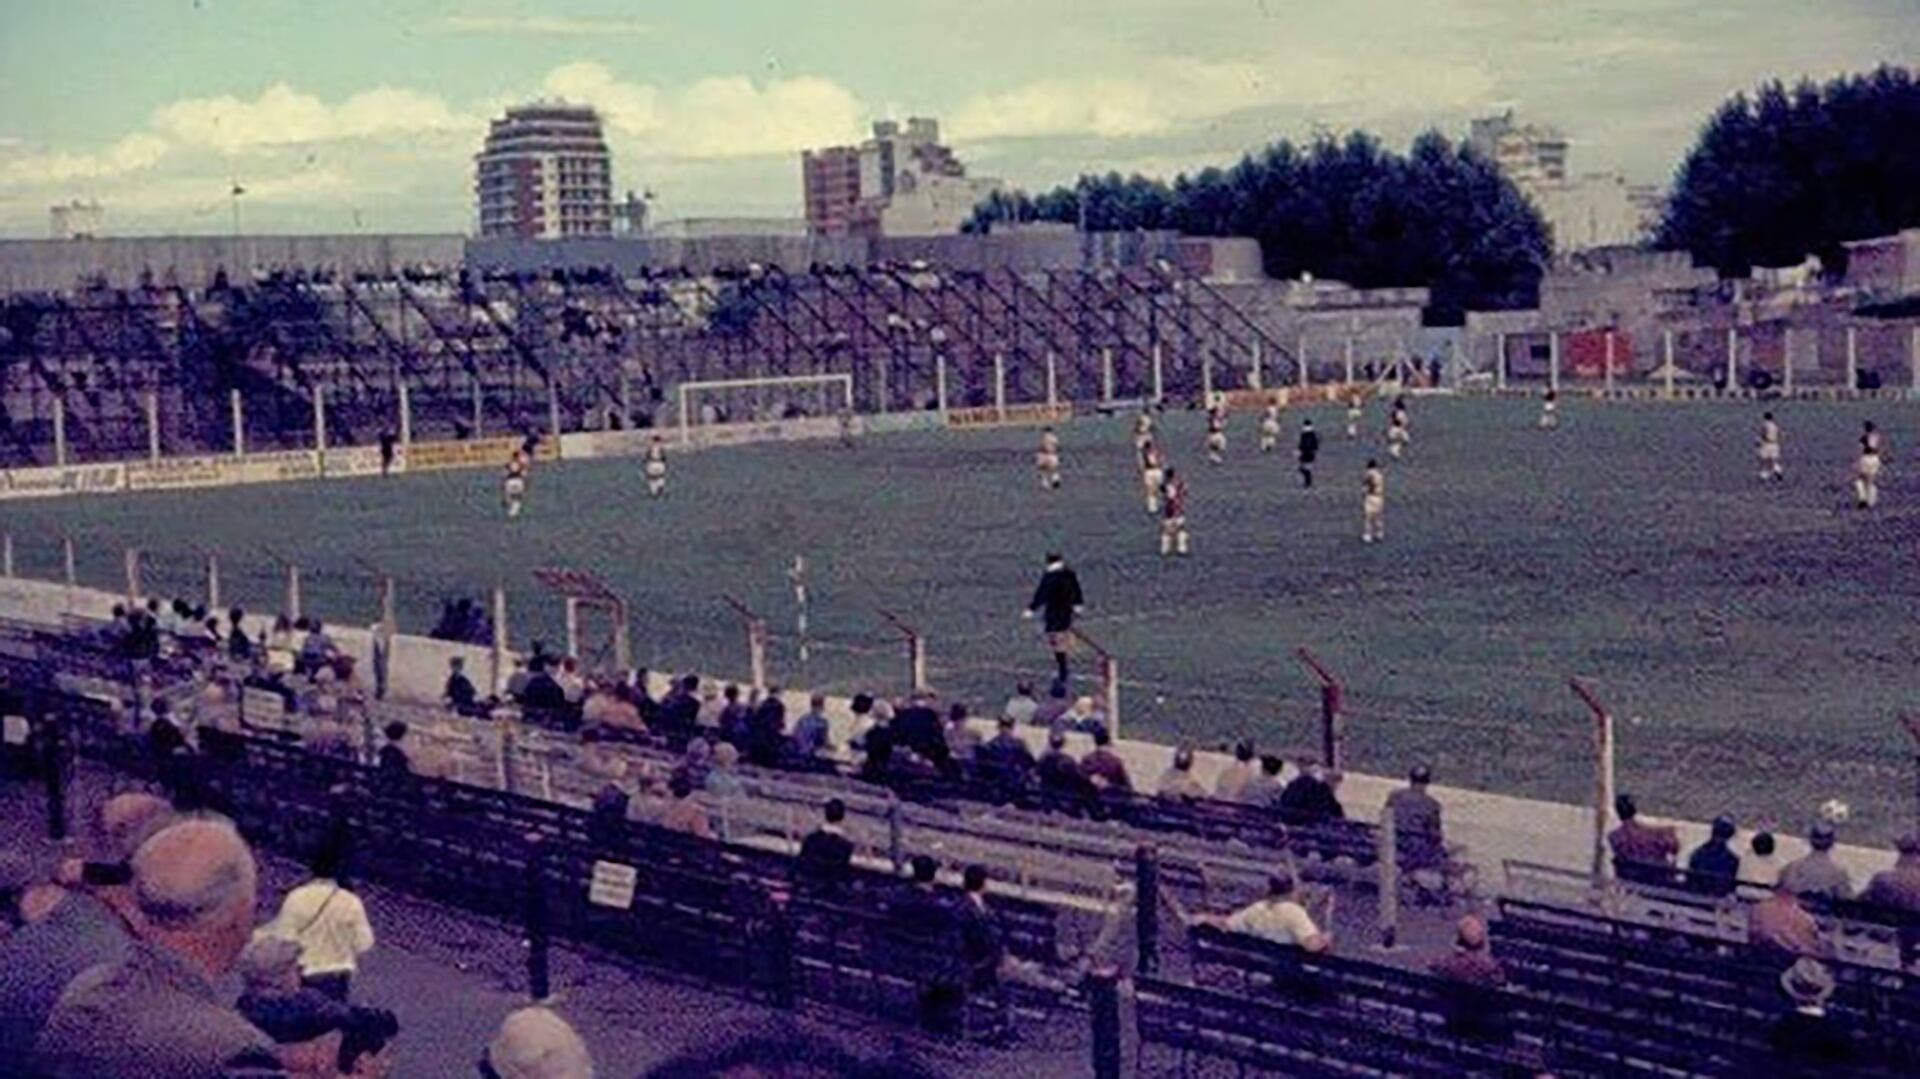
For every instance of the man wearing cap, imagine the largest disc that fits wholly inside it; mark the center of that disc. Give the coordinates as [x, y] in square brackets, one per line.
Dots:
[1807, 1040]
[1817, 874]
[1897, 891]
[1416, 822]
[1057, 599]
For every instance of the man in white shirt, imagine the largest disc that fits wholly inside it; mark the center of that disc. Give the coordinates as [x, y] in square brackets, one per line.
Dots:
[330, 925]
[1279, 918]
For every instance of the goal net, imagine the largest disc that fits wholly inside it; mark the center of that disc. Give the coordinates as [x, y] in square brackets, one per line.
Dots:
[763, 400]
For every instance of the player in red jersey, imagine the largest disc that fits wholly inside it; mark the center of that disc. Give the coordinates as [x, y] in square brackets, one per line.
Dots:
[1173, 518]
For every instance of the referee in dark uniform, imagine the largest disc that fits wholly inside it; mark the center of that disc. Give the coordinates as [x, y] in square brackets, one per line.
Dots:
[1057, 599]
[1309, 451]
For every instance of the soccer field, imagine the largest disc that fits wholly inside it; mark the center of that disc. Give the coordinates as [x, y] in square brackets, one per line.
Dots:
[1757, 641]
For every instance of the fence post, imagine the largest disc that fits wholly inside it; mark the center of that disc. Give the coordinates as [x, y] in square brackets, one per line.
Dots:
[499, 641]
[1053, 381]
[153, 425]
[1110, 683]
[1610, 352]
[293, 591]
[1159, 375]
[213, 583]
[238, 411]
[1853, 359]
[1602, 867]
[940, 384]
[1103, 994]
[384, 639]
[1331, 702]
[479, 412]
[406, 416]
[1349, 359]
[1786, 360]
[1256, 378]
[66, 561]
[60, 431]
[573, 626]
[57, 765]
[1389, 862]
[1106, 375]
[320, 421]
[1000, 385]
[6, 555]
[1666, 368]
[1553, 360]
[1500, 362]
[626, 400]
[539, 932]
[133, 575]
[1146, 906]
[1733, 358]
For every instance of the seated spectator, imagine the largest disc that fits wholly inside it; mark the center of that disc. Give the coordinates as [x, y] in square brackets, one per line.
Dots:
[680, 707]
[608, 707]
[1807, 1041]
[1005, 759]
[916, 725]
[1896, 891]
[767, 731]
[1310, 800]
[1816, 874]
[1713, 868]
[1226, 786]
[1417, 830]
[365, 1042]
[1103, 767]
[1048, 712]
[1021, 707]
[812, 732]
[573, 685]
[696, 762]
[723, 779]
[306, 1025]
[239, 647]
[1642, 853]
[1059, 774]
[1780, 930]
[459, 692]
[963, 742]
[317, 650]
[1177, 782]
[1470, 1009]
[517, 680]
[535, 1043]
[684, 813]
[542, 692]
[1264, 788]
[164, 737]
[826, 854]
[1279, 917]
[1082, 718]
[729, 716]
[392, 759]
[1762, 864]
[877, 742]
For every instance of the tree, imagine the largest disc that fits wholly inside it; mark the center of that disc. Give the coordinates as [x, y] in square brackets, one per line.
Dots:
[1781, 174]
[1346, 209]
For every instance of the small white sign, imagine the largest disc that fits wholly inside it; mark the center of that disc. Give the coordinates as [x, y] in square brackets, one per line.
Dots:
[15, 730]
[612, 885]
[263, 707]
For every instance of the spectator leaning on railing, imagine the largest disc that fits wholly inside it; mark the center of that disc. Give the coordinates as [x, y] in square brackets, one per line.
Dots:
[1226, 786]
[1177, 782]
[1713, 868]
[1278, 917]
[1642, 853]
[1816, 874]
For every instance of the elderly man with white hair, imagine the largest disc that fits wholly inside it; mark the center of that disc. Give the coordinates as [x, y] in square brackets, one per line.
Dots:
[535, 1043]
[157, 1014]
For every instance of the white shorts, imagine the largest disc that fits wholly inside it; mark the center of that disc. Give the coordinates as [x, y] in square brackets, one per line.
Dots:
[1373, 505]
[1173, 524]
[1769, 451]
[1152, 477]
[1398, 434]
[1047, 462]
[656, 470]
[515, 487]
[1869, 466]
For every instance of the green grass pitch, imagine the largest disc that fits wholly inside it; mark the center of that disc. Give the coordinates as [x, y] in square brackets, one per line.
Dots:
[1757, 641]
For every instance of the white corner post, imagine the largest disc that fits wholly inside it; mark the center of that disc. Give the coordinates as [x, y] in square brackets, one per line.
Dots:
[1159, 375]
[1553, 360]
[239, 412]
[67, 569]
[1110, 683]
[1349, 357]
[1053, 380]
[1601, 867]
[917, 662]
[320, 420]
[1786, 361]
[940, 384]
[1106, 375]
[213, 582]
[6, 555]
[553, 409]
[1609, 358]
[1256, 378]
[60, 431]
[1853, 359]
[1206, 378]
[573, 627]
[1733, 358]
[757, 652]
[153, 425]
[1000, 386]
[1666, 352]
[133, 574]
[499, 652]
[406, 416]
[1500, 363]
[293, 591]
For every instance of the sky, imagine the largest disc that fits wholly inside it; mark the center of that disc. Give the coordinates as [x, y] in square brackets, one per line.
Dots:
[364, 116]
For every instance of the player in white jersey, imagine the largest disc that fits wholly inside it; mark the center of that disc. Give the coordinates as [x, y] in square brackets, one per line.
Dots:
[1142, 429]
[1217, 433]
[1270, 427]
[1398, 433]
[1550, 410]
[1866, 471]
[1173, 521]
[1373, 503]
[1768, 448]
[655, 467]
[513, 488]
[1047, 460]
[1354, 407]
[1151, 474]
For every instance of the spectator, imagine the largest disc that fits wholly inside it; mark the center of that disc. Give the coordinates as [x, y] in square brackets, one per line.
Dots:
[239, 648]
[535, 1043]
[826, 854]
[723, 779]
[1417, 830]
[1005, 759]
[1762, 865]
[542, 692]
[1472, 1010]
[1234, 776]
[607, 706]
[1807, 1041]
[1816, 874]
[707, 718]
[1103, 767]
[926, 915]
[1021, 707]
[1896, 891]
[164, 738]
[91, 922]
[982, 941]
[393, 758]
[1057, 771]
[1279, 917]
[1310, 800]
[330, 925]
[696, 763]
[684, 813]
[1082, 718]
[459, 693]
[917, 726]
[306, 1025]
[767, 731]
[573, 686]
[364, 1044]
[317, 650]
[963, 742]
[157, 1013]
[733, 717]
[1642, 853]
[1263, 788]
[812, 733]
[1177, 781]
[680, 707]
[1780, 929]
[517, 681]
[1050, 711]
[1713, 868]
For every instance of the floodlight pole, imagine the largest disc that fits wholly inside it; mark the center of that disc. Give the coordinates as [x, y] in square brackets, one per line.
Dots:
[1332, 695]
[916, 650]
[1109, 680]
[756, 640]
[1603, 778]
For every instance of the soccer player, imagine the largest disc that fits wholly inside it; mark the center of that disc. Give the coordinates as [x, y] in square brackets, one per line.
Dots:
[1270, 427]
[1373, 503]
[1216, 433]
[1769, 448]
[1550, 411]
[1309, 451]
[1047, 459]
[514, 489]
[1173, 520]
[1151, 473]
[1142, 429]
[1866, 472]
[1353, 416]
[655, 467]
[1398, 433]
[1057, 598]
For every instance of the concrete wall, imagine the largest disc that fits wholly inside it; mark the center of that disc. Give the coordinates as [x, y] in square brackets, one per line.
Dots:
[47, 265]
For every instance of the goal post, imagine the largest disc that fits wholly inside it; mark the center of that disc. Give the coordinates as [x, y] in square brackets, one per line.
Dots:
[762, 400]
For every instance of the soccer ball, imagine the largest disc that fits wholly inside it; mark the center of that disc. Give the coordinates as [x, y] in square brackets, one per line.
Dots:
[1834, 811]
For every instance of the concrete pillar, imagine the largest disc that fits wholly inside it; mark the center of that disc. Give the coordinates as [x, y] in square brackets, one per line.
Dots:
[1553, 360]
[1106, 376]
[213, 583]
[1000, 385]
[1733, 358]
[1500, 364]
[1853, 358]
[1666, 351]
[153, 425]
[239, 411]
[1349, 359]
[479, 412]
[1158, 376]
[60, 431]
[1786, 361]
[499, 672]
[1610, 354]
[553, 410]
[406, 416]
[1256, 378]
[1053, 380]
[320, 420]
[940, 384]
[293, 592]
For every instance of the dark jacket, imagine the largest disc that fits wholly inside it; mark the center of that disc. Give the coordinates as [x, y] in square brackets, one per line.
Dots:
[826, 859]
[1309, 446]
[1713, 868]
[1309, 801]
[1056, 597]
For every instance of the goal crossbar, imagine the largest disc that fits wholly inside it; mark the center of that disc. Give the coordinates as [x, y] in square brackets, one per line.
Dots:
[689, 389]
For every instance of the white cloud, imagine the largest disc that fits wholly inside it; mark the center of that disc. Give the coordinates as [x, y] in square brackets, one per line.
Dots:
[283, 116]
[132, 153]
[544, 25]
[730, 116]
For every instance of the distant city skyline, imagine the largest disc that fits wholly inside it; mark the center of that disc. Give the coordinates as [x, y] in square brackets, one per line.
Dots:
[353, 116]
